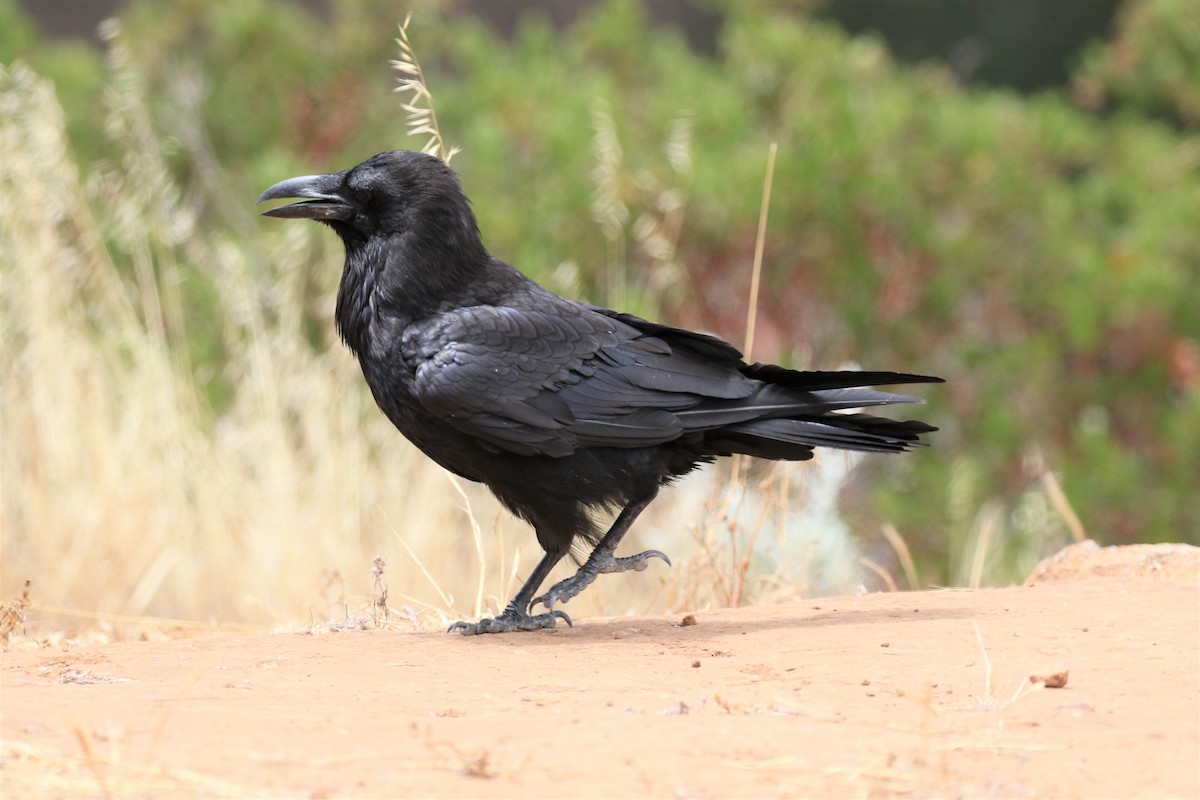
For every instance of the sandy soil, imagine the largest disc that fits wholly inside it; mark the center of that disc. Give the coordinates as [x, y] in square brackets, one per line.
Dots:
[914, 694]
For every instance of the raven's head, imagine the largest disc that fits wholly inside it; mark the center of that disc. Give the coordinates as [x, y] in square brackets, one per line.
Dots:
[389, 194]
[411, 239]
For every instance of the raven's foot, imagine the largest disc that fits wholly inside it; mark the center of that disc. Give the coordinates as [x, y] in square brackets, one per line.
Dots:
[513, 619]
[599, 562]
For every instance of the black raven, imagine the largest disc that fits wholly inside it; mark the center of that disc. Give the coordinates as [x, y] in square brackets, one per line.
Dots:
[559, 407]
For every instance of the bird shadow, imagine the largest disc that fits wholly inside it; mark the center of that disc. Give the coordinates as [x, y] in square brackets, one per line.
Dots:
[720, 623]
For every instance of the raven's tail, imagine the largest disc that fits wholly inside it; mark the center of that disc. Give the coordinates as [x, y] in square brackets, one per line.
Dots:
[792, 412]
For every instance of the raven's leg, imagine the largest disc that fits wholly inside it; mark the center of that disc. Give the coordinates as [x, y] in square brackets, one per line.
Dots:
[515, 617]
[603, 558]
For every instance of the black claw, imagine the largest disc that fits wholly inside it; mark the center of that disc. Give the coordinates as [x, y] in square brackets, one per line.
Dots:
[600, 562]
[511, 620]
[637, 563]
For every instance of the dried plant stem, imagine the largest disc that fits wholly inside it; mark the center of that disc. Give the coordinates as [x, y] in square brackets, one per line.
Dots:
[760, 240]
[608, 204]
[883, 574]
[447, 601]
[1058, 499]
[902, 552]
[476, 537]
[759, 245]
[422, 119]
[989, 521]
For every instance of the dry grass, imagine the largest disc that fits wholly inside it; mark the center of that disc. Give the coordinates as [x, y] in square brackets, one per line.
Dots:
[992, 698]
[123, 493]
[410, 81]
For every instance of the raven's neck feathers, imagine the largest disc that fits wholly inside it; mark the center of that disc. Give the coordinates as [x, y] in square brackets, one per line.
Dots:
[434, 260]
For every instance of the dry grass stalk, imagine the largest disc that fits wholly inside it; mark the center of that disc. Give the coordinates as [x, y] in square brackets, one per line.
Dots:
[1058, 499]
[900, 547]
[609, 207]
[760, 243]
[990, 519]
[422, 119]
[882, 573]
[991, 699]
[476, 538]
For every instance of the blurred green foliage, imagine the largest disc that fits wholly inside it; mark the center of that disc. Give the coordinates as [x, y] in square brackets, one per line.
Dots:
[1040, 253]
[1152, 66]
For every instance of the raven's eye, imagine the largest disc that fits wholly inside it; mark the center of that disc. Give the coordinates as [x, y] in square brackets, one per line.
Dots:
[363, 195]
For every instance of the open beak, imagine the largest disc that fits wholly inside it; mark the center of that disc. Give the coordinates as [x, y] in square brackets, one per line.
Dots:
[321, 199]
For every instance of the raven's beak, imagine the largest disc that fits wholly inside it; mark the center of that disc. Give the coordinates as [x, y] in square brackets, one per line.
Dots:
[322, 200]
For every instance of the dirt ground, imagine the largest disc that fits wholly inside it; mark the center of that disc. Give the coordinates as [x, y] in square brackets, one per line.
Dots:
[923, 694]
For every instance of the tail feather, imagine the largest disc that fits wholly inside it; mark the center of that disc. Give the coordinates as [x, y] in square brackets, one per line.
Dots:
[838, 379]
[771, 401]
[840, 431]
[788, 412]
[797, 411]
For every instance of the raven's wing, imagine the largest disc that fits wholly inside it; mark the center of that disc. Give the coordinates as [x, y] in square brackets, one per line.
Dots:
[550, 381]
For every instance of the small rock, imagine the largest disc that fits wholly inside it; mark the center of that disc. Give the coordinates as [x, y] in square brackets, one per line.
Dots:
[1056, 680]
